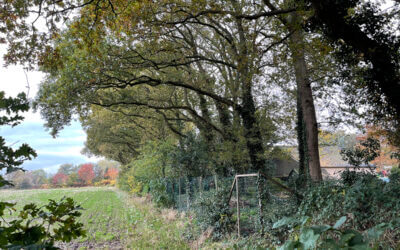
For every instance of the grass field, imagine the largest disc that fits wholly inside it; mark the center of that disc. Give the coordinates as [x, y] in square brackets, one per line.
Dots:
[112, 219]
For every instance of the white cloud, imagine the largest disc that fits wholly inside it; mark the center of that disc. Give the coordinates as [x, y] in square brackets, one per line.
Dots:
[15, 79]
[52, 169]
[60, 140]
[51, 152]
[66, 151]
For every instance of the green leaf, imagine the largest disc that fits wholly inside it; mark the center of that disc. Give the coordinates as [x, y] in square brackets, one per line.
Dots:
[375, 232]
[291, 245]
[321, 228]
[329, 244]
[309, 238]
[305, 220]
[285, 222]
[345, 238]
[353, 238]
[340, 222]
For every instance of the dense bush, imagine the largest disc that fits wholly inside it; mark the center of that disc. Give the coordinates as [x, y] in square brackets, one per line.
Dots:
[276, 209]
[122, 180]
[395, 175]
[325, 236]
[212, 210]
[365, 199]
[136, 183]
[105, 182]
[160, 161]
[153, 165]
[159, 194]
[368, 199]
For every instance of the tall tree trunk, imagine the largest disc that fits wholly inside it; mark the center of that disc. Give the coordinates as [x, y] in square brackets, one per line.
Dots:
[304, 89]
[306, 98]
[253, 133]
[225, 120]
[248, 109]
[232, 160]
[207, 131]
[301, 141]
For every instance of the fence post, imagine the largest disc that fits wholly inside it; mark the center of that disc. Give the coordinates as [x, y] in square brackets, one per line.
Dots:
[187, 193]
[238, 206]
[200, 185]
[231, 191]
[172, 180]
[260, 204]
[179, 192]
[216, 182]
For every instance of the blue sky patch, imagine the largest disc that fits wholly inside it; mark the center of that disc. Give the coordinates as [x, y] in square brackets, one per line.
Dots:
[52, 152]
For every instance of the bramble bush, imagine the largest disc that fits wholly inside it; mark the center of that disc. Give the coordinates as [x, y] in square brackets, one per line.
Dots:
[369, 200]
[211, 209]
[159, 194]
[366, 201]
[325, 236]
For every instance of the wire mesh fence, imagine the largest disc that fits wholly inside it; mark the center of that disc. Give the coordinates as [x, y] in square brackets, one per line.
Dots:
[247, 204]
[186, 190]
[249, 209]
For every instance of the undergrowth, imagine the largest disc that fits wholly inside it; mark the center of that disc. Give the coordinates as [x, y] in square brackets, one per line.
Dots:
[357, 211]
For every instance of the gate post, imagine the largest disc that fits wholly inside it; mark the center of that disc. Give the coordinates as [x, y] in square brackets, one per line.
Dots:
[237, 203]
[260, 204]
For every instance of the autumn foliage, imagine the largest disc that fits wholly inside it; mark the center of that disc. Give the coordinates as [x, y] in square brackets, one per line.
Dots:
[59, 179]
[103, 173]
[112, 173]
[86, 173]
[385, 157]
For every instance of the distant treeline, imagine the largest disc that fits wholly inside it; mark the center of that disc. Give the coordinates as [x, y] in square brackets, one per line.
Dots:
[103, 172]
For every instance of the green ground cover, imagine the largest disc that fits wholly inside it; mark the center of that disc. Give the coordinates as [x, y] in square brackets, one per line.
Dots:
[112, 219]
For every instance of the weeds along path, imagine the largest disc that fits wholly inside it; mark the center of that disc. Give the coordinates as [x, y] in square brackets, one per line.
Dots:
[152, 228]
[113, 219]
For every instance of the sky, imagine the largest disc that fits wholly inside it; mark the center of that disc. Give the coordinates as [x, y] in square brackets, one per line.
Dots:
[52, 152]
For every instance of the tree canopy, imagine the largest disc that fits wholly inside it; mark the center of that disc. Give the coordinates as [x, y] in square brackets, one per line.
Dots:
[232, 70]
